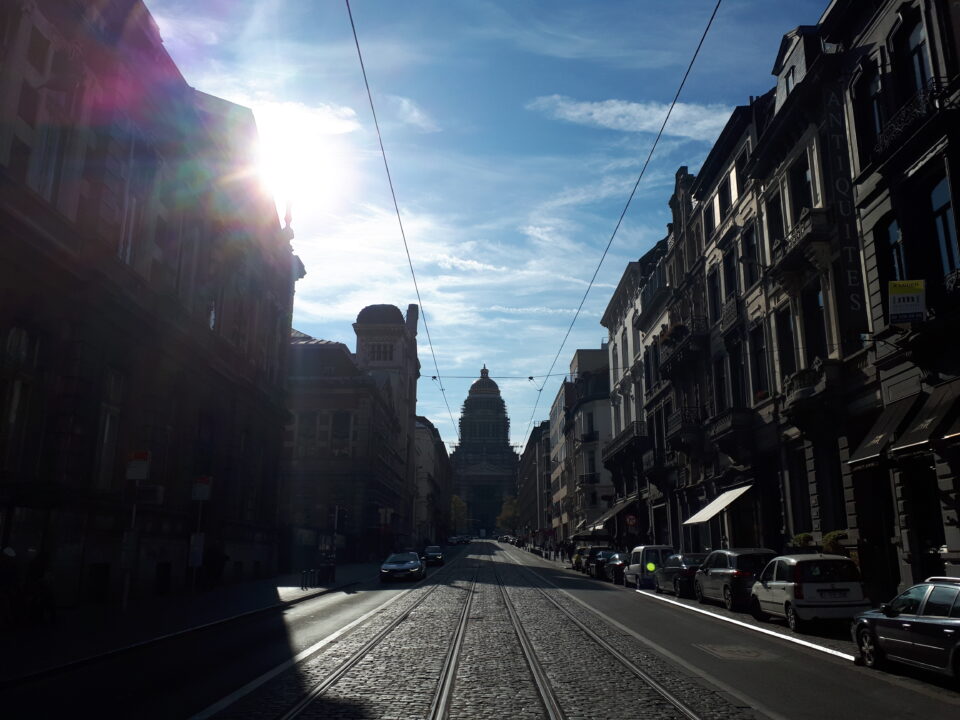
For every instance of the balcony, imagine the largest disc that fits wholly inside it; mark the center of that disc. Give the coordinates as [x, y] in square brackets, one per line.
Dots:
[587, 479]
[809, 393]
[657, 463]
[805, 248]
[685, 428]
[683, 344]
[919, 109]
[634, 435]
[732, 431]
[730, 314]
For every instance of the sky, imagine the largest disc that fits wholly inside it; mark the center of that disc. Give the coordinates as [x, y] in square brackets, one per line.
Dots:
[514, 131]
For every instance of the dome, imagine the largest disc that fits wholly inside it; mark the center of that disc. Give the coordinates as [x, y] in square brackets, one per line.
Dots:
[380, 315]
[484, 386]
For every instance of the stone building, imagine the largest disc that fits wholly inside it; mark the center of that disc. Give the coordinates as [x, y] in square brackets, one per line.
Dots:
[146, 289]
[431, 504]
[350, 476]
[484, 463]
[534, 498]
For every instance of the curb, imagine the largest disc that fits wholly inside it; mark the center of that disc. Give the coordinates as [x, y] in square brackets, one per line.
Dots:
[89, 659]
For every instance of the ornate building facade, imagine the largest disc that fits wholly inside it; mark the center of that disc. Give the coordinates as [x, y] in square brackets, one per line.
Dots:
[484, 464]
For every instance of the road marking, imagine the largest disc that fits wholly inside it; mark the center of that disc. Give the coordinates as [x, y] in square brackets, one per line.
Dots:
[788, 638]
[270, 674]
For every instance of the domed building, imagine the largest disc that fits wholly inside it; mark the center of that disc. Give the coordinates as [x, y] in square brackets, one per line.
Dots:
[484, 464]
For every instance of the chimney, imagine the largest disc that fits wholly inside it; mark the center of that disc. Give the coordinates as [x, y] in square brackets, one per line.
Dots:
[413, 317]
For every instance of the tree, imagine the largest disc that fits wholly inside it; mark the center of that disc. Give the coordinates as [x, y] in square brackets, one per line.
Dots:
[508, 517]
[458, 514]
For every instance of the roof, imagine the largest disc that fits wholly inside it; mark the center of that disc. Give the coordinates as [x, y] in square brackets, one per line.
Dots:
[301, 338]
[380, 315]
[484, 386]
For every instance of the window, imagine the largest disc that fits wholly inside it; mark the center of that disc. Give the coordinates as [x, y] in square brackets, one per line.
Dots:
[751, 255]
[783, 572]
[909, 602]
[340, 433]
[709, 220]
[381, 352]
[758, 364]
[720, 384]
[786, 352]
[723, 195]
[814, 329]
[737, 380]
[306, 434]
[940, 601]
[730, 274]
[590, 427]
[917, 51]
[790, 80]
[890, 237]
[946, 228]
[739, 167]
[801, 190]
[870, 113]
[774, 213]
[767, 574]
[713, 295]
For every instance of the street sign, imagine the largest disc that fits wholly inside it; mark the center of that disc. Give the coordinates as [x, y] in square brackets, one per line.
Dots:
[202, 487]
[907, 301]
[138, 466]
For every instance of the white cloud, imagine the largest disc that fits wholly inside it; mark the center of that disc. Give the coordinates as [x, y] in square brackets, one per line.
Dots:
[689, 120]
[412, 114]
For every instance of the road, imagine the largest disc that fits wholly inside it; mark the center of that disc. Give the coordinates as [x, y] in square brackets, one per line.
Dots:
[447, 647]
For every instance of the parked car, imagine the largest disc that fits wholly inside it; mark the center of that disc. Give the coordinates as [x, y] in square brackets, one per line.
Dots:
[676, 573]
[453, 540]
[644, 561]
[433, 555]
[403, 566]
[728, 575]
[587, 556]
[808, 587]
[919, 627]
[596, 564]
[614, 567]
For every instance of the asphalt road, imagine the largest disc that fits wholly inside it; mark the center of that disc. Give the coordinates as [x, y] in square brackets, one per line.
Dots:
[772, 674]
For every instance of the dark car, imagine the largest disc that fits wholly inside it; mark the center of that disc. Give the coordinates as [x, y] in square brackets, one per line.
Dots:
[433, 555]
[596, 564]
[919, 627]
[677, 573]
[403, 566]
[614, 567]
[728, 575]
[588, 556]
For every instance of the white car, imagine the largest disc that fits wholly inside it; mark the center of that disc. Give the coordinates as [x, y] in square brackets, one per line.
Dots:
[801, 588]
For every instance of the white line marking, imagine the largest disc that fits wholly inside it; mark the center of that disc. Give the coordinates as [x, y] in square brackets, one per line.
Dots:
[788, 638]
[270, 674]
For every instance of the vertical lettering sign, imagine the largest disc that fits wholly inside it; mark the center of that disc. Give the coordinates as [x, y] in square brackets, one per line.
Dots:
[849, 285]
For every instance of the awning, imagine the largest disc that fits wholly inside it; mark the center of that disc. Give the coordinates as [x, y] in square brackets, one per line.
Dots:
[599, 522]
[886, 427]
[923, 428]
[716, 505]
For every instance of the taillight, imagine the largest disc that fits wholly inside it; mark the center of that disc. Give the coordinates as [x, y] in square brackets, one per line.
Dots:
[742, 573]
[797, 585]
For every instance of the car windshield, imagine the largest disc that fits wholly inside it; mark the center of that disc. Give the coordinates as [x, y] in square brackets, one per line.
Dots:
[829, 571]
[403, 558]
[694, 560]
[433, 549]
[752, 563]
[605, 554]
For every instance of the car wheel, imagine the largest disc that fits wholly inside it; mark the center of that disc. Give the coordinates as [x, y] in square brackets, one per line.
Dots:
[755, 610]
[676, 587]
[728, 601]
[870, 653]
[698, 591]
[794, 622]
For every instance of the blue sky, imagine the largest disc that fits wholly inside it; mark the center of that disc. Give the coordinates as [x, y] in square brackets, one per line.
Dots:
[514, 132]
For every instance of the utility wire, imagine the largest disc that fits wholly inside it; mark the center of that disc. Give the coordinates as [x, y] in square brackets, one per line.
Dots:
[396, 207]
[624, 212]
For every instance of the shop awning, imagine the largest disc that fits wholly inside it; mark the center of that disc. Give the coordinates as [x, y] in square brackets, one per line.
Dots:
[716, 505]
[599, 522]
[884, 430]
[923, 428]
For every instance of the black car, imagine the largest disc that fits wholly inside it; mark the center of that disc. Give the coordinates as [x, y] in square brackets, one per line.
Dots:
[588, 557]
[728, 575]
[677, 573]
[403, 566]
[433, 555]
[613, 568]
[919, 627]
[596, 563]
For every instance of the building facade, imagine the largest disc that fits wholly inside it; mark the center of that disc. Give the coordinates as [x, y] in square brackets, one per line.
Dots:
[534, 499]
[431, 505]
[147, 290]
[484, 463]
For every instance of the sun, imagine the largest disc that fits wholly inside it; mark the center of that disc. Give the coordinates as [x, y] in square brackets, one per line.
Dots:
[303, 159]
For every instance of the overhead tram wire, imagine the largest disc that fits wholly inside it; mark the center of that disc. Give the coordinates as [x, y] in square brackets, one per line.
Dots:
[624, 211]
[403, 233]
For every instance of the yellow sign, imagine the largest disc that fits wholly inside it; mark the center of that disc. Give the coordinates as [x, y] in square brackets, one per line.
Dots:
[907, 301]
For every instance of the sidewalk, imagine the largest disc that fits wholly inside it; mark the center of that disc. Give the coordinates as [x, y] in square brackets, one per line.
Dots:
[83, 633]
